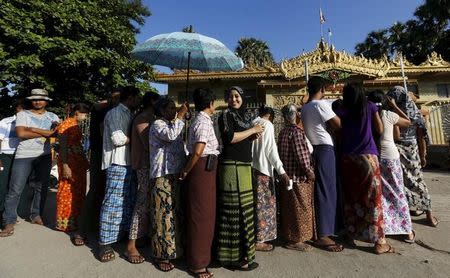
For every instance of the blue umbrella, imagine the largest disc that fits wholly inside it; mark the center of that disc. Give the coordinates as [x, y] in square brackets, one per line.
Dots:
[180, 50]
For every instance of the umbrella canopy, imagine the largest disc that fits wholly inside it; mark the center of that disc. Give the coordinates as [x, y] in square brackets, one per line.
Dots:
[180, 50]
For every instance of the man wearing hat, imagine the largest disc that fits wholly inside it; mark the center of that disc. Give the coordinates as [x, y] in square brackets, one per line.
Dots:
[34, 127]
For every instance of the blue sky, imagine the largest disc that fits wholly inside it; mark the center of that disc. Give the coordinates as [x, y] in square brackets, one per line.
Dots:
[287, 26]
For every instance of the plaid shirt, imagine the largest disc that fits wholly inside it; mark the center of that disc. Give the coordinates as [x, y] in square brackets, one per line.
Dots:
[202, 130]
[294, 153]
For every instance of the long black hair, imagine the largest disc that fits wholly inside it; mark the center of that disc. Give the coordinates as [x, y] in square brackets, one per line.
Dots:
[354, 100]
[377, 97]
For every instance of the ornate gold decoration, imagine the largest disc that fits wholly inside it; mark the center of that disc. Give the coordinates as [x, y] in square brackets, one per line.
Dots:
[435, 60]
[282, 100]
[325, 58]
[396, 62]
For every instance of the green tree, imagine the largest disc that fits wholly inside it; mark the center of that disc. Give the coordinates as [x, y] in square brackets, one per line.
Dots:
[254, 52]
[78, 50]
[428, 31]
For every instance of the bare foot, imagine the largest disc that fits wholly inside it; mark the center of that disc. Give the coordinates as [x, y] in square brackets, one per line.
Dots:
[299, 246]
[327, 244]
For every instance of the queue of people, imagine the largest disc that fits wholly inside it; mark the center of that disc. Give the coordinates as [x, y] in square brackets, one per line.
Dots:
[351, 171]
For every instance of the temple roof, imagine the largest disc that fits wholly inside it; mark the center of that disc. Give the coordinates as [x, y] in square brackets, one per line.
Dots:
[322, 59]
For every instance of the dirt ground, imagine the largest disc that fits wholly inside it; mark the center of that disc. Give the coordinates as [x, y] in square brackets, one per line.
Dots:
[36, 251]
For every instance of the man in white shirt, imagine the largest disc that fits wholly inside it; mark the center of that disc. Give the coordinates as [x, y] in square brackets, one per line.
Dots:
[33, 155]
[8, 144]
[118, 204]
[318, 118]
[265, 160]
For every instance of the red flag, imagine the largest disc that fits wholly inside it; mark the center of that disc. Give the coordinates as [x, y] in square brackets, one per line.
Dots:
[322, 18]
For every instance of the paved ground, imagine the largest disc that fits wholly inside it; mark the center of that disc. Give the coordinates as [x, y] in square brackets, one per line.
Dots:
[41, 252]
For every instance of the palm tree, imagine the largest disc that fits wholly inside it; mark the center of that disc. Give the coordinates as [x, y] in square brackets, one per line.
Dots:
[254, 52]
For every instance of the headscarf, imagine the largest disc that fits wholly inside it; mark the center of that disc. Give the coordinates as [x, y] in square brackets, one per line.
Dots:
[405, 103]
[240, 116]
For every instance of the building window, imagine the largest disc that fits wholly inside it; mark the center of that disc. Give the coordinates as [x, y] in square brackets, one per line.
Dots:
[443, 90]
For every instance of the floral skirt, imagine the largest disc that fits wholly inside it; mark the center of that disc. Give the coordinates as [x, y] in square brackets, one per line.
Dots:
[266, 207]
[166, 218]
[416, 189]
[397, 220]
[363, 210]
[141, 214]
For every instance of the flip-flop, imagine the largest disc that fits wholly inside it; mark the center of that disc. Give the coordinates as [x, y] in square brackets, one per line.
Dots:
[417, 212]
[159, 263]
[104, 252]
[268, 248]
[134, 259]
[201, 274]
[413, 240]
[249, 267]
[8, 231]
[391, 249]
[78, 240]
[330, 247]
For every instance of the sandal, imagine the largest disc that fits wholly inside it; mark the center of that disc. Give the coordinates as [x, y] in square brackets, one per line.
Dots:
[264, 247]
[390, 250]
[134, 259]
[201, 274]
[165, 266]
[78, 240]
[333, 247]
[106, 253]
[299, 246]
[7, 231]
[243, 267]
[37, 220]
[412, 240]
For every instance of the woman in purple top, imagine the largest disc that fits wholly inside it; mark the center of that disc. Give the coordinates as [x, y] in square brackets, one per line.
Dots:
[361, 179]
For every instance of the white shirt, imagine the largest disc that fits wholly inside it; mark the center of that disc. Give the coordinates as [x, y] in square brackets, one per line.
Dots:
[387, 144]
[8, 136]
[116, 131]
[265, 151]
[315, 114]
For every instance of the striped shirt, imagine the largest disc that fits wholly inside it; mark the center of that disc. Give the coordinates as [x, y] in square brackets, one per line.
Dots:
[202, 130]
[116, 132]
[8, 136]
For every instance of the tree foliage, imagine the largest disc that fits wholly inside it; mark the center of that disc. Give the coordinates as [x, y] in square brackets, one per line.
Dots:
[78, 50]
[428, 31]
[254, 52]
